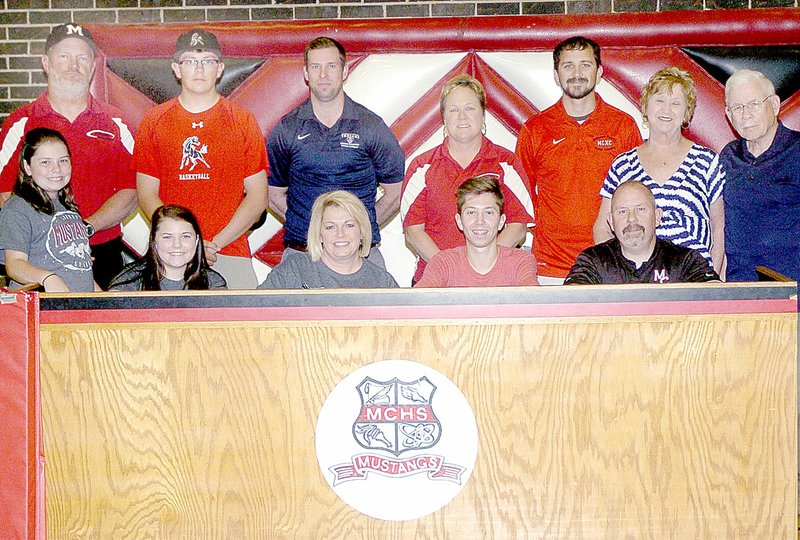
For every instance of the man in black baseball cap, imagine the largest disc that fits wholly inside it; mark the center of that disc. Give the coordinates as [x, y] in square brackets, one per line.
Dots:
[204, 152]
[99, 140]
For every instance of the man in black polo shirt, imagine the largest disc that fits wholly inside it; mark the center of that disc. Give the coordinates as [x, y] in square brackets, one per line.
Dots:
[635, 255]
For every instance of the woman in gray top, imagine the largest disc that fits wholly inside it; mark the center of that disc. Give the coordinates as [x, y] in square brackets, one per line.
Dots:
[42, 237]
[339, 240]
[175, 259]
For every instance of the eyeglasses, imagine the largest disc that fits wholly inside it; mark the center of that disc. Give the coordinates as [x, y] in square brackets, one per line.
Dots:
[751, 107]
[193, 62]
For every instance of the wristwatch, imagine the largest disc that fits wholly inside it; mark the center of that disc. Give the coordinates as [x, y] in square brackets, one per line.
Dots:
[89, 228]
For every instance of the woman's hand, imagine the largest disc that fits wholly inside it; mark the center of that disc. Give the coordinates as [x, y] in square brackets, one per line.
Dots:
[20, 270]
[54, 283]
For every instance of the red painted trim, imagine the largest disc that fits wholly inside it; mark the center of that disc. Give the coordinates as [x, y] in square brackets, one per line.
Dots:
[538, 32]
[507, 104]
[36, 480]
[21, 494]
[388, 313]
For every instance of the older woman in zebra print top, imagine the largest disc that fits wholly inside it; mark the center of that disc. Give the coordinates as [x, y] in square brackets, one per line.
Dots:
[685, 177]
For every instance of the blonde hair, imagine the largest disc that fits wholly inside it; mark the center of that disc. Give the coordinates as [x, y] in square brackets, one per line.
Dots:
[667, 79]
[350, 204]
[463, 81]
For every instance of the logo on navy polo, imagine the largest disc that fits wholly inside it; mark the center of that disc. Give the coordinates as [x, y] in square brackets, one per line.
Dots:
[350, 140]
[604, 143]
[193, 155]
[411, 437]
[67, 242]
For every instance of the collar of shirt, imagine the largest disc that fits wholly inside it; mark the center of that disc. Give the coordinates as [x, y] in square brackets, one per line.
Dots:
[42, 107]
[782, 141]
[486, 152]
[599, 105]
[632, 265]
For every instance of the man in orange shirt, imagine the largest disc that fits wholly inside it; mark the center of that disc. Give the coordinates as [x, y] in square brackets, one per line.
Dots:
[566, 151]
[201, 151]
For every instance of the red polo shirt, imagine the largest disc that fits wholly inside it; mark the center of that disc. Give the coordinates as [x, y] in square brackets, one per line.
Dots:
[429, 191]
[100, 144]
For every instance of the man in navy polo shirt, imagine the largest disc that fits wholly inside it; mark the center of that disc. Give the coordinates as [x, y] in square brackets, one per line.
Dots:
[331, 142]
[762, 192]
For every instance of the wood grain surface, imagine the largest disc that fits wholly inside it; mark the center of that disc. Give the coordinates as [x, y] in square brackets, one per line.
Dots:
[670, 427]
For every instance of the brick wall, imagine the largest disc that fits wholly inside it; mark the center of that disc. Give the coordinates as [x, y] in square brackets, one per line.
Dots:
[24, 24]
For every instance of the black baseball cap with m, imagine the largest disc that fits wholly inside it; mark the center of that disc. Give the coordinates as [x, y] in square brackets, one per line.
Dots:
[197, 40]
[64, 31]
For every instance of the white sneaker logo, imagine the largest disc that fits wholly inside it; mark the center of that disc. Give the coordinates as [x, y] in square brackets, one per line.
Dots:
[556, 141]
[301, 137]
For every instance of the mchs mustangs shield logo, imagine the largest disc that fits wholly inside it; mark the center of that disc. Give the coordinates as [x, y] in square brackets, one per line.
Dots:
[396, 416]
[408, 431]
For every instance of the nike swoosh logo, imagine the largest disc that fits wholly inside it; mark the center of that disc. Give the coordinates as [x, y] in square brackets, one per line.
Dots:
[301, 137]
[556, 141]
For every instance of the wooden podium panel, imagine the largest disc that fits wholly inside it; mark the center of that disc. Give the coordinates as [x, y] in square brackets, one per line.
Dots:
[602, 413]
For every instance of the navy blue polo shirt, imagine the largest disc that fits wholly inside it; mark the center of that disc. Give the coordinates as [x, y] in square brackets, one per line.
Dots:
[356, 154]
[762, 207]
